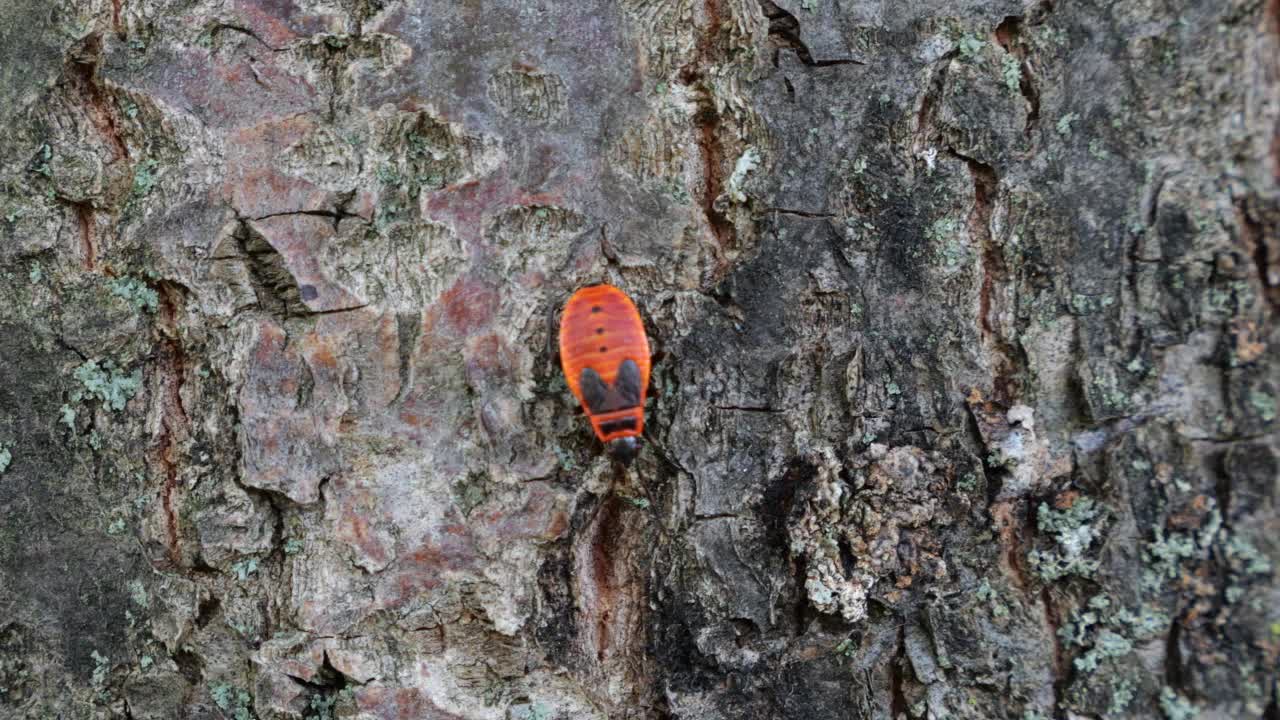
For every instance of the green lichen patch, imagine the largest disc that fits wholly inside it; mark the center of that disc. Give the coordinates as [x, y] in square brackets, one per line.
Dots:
[970, 47]
[987, 596]
[105, 382]
[144, 177]
[1177, 707]
[1122, 693]
[1011, 73]
[469, 492]
[1263, 404]
[1245, 558]
[234, 702]
[245, 568]
[1165, 556]
[136, 293]
[1109, 644]
[947, 239]
[326, 706]
[1073, 531]
[1065, 124]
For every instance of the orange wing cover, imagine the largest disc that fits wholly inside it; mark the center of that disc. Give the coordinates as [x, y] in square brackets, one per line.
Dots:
[605, 353]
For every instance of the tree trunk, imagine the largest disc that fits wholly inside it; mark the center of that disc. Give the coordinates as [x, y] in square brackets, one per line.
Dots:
[964, 400]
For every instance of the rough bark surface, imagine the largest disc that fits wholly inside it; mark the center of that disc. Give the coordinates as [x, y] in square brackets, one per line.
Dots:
[966, 375]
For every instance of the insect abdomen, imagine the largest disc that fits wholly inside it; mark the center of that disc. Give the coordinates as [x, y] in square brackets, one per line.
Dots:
[605, 356]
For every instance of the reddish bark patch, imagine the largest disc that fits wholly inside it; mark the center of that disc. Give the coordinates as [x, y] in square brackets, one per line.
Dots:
[469, 305]
[1004, 516]
[466, 205]
[427, 566]
[541, 518]
[399, 704]
[277, 22]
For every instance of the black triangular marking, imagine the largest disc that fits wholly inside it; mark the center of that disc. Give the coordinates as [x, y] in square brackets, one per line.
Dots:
[594, 392]
[627, 385]
[601, 398]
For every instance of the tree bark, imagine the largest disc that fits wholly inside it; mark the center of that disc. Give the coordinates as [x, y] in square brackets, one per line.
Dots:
[964, 397]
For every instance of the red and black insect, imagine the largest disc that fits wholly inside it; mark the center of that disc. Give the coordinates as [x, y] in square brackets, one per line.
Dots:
[605, 356]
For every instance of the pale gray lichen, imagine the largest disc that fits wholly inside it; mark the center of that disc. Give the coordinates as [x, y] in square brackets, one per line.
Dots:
[747, 163]
[1263, 404]
[988, 597]
[67, 416]
[970, 46]
[949, 247]
[138, 593]
[1077, 629]
[136, 293]
[101, 666]
[1121, 695]
[1011, 71]
[1164, 557]
[1244, 557]
[1064, 124]
[244, 568]
[889, 491]
[107, 383]
[1176, 707]
[233, 701]
[1073, 531]
[1108, 645]
[6, 457]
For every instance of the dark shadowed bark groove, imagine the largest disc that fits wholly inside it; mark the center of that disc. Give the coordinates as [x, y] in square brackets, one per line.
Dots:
[171, 370]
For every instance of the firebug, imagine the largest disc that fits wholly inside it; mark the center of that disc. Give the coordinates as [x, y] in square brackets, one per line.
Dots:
[605, 356]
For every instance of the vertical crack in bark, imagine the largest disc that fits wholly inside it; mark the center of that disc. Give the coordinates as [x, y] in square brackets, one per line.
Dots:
[101, 110]
[1271, 24]
[84, 219]
[604, 532]
[1061, 669]
[784, 31]
[994, 271]
[713, 176]
[1151, 210]
[1006, 520]
[408, 330]
[1174, 674]
[610, 592]
[773, 510]
[1007, 37]
[924, 117]
[1263, 248]
[174, 423]
[115, 17]
[708, 124]
[897, 669]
